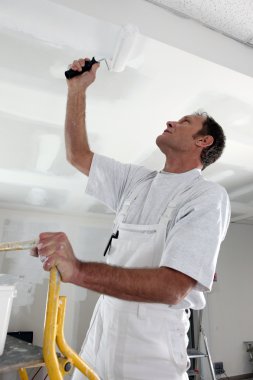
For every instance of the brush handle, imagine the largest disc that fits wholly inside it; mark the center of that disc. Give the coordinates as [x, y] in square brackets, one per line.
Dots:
[73, 73]
[18, 245]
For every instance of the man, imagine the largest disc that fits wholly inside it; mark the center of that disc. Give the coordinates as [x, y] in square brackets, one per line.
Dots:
[162, 255]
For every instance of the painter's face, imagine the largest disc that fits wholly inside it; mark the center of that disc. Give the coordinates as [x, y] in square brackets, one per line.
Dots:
[180, 135]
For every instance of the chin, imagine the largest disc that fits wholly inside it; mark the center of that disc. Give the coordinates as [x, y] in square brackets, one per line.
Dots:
[158, 140]
[160, 144]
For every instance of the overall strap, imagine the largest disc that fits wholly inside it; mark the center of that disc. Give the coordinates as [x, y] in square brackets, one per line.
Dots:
[122, 215]
[126, 204]
[166, 217]
[174, 203]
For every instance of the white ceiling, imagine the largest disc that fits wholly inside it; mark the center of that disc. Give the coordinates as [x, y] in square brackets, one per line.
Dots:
[163, 80]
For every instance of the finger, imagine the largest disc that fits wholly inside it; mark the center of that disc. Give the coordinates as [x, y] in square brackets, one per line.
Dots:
[95, 67]
[43, 258]
[78, 64]
[48, 264]
[47, 234]
[34, 252]
[82, 61]
[52, 248]
[46, 240]
[48, 250]
[44, 236]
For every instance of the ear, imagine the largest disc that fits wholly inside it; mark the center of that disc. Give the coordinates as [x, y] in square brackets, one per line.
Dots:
[204, 141]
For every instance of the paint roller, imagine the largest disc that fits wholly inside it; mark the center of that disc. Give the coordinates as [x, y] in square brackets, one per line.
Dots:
[123, 49]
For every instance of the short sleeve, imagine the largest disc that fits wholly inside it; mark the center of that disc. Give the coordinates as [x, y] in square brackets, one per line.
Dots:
[193, 244]
[111, 181]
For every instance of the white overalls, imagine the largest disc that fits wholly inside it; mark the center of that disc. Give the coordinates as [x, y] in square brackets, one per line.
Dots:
[130, 340]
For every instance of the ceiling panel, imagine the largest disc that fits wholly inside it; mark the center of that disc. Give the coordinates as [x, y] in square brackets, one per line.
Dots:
[231, 17]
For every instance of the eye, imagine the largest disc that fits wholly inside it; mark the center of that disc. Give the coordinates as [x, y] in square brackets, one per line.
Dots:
[184, 120]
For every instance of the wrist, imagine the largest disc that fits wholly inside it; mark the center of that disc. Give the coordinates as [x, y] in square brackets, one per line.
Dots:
[76, 90]
[77, 272]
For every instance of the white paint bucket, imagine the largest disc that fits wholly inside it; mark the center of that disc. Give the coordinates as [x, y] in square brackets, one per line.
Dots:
[7, 292]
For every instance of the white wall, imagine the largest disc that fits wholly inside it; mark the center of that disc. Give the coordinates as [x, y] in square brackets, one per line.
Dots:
[228, 317]
[88, 237]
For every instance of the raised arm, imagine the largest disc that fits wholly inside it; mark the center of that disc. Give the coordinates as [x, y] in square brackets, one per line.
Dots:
[77, 146]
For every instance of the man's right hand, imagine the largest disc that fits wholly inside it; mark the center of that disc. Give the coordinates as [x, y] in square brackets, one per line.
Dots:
[54, 249]
[81, 82]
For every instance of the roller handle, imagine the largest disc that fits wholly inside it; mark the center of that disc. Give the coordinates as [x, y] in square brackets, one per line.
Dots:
[73, 73]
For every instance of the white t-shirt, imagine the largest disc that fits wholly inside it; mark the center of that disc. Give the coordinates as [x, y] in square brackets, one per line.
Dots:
[198, 225]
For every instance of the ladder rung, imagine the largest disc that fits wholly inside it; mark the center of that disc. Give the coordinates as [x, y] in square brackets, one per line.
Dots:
[193, 353]
[193, 372]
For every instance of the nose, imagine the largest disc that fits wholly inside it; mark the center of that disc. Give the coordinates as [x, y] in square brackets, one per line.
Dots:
[171, 124]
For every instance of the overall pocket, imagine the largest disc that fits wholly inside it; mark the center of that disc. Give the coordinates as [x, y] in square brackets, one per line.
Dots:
[135, 247]
[178, 342]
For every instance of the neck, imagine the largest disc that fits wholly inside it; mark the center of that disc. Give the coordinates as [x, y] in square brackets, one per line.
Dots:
[181, 165]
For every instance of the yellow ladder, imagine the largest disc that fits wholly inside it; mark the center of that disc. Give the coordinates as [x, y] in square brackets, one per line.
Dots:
[57, 367]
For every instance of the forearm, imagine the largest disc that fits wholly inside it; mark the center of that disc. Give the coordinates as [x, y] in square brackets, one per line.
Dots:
[162, 285]
[76, 140]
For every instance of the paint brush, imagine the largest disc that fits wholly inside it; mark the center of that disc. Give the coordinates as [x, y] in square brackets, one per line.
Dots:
[18, 245]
